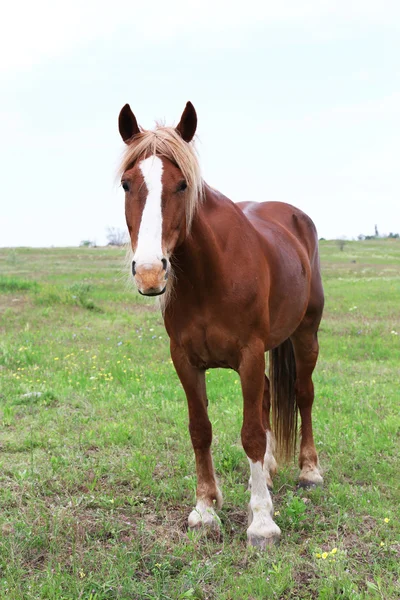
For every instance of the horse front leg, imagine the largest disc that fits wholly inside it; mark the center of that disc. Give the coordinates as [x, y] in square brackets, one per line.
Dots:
[262, 530]
[208, 495]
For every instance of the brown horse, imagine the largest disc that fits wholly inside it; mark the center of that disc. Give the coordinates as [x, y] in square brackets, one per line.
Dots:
[240, 280]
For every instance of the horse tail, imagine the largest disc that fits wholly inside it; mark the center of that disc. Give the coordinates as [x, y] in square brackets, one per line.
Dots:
[282, 376]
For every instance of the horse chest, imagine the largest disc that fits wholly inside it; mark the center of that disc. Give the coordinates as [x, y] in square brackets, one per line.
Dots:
[208, 347]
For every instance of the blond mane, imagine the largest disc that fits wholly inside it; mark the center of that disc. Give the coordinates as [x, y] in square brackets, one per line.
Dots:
[166, 142]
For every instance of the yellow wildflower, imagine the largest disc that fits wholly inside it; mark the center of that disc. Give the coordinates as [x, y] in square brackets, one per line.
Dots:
[324, 555]
[386, 520]
[317, 555]
[382, 544]
[334, 550]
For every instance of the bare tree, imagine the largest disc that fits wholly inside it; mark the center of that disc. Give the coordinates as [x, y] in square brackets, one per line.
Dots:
[341, 243]
[116, 236]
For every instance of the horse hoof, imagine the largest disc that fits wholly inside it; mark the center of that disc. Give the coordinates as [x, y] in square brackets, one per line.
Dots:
[262, 535]
[207, 520]
[262, 543]
[310, 484]
[206, 525]
[203, 525]
[310, 479]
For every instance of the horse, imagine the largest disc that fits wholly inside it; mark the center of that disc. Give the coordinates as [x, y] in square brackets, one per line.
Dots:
[236, 281]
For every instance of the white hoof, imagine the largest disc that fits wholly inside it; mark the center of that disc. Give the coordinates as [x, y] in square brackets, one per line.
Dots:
[263, 535]
[203, 516]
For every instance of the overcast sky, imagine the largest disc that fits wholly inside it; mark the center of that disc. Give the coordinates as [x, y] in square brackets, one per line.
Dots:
[297, 101]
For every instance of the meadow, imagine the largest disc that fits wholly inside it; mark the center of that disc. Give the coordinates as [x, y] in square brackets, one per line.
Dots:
[97, 472]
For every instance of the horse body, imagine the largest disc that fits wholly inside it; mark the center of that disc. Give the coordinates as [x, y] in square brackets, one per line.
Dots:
[241, 274]
[246, 281]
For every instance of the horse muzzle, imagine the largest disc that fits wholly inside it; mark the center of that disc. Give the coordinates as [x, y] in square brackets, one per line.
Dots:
[151, 278]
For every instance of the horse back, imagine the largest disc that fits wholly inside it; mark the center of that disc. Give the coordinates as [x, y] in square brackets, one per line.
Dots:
[272, 218]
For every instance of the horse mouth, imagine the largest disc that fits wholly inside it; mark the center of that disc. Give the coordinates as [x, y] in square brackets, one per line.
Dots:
[152, 293]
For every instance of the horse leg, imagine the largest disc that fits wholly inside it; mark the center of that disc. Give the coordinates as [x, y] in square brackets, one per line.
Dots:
[270, 466]
[305, 345]
[262, 530]
[208, 494]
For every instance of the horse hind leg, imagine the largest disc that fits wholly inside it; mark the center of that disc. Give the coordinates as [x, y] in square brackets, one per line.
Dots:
[305, 346]
[270, 464]
[262, 530]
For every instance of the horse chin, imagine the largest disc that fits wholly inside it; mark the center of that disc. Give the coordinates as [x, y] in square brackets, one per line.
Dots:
[152, 293]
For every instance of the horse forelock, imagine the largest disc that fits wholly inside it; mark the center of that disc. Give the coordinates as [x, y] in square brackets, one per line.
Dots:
[167, 143]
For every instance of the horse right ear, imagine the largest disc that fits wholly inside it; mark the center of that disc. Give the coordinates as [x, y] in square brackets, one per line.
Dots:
[127, 124]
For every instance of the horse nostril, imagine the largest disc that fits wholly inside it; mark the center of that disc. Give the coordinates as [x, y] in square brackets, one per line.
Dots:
[133, 268]
[164, 263]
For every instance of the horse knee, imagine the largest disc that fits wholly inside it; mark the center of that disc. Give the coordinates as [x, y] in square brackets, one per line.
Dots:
[201, 434]
[254, 442]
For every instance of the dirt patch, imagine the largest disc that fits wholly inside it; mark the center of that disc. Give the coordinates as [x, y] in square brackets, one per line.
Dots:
[17, 303]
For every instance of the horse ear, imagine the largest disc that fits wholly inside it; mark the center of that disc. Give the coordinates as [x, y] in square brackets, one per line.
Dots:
[188, 123]
[127, 124]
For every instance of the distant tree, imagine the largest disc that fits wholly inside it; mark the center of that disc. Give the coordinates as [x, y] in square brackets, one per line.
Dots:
[87, 244]
[376, 231]
[341, 243]
[394, 236]
[116, 237]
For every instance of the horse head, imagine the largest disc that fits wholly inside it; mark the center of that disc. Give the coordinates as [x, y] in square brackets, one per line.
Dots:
[161, 179]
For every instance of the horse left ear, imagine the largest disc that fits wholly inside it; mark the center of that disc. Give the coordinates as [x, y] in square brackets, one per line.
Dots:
[188, 123]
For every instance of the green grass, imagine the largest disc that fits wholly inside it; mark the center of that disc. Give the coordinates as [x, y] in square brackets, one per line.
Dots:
[14, 284]
[96, 467]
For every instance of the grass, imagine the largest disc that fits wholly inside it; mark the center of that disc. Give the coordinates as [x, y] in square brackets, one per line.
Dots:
[96, 467]
[14, 284]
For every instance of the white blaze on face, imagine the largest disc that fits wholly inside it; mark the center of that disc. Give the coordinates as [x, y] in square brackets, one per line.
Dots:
[148, 249]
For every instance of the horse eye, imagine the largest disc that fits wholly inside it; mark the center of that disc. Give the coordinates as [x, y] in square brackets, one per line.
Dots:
[182, 185]
[125, 185]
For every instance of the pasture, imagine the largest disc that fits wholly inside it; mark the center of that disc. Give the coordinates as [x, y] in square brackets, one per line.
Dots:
[97, 474]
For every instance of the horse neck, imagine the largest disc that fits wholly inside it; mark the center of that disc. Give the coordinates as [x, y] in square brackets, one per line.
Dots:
[201, 262]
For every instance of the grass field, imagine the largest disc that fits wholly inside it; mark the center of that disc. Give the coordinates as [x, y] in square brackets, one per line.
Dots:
[96, 466]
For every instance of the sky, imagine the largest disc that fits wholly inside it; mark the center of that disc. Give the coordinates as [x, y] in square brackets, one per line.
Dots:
[297, 101]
